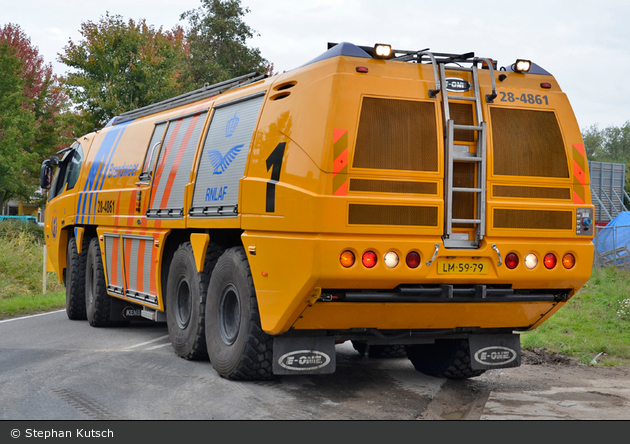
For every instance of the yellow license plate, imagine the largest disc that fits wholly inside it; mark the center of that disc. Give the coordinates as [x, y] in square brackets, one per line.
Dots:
[463, 267]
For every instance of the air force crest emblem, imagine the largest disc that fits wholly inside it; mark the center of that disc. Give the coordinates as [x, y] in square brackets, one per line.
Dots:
[220, 162]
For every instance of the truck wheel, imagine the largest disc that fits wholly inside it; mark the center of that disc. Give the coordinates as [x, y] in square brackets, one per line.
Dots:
[75, 280]
[380, 351]
[186, 301]
[238, 347]
[446, 358]
[97, 301]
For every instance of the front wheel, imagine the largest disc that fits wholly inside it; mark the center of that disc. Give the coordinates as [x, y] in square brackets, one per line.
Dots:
[75, 280]
[238, 347]
[446, 358]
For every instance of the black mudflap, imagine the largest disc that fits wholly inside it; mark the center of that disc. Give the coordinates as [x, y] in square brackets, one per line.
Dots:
[124, 311]
[304, 356]
[494, 351]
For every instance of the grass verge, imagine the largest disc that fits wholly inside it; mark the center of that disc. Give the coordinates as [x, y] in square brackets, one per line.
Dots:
[21, 272]
[596, 320]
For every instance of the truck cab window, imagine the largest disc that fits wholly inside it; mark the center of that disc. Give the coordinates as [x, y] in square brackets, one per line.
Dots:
[68, 171]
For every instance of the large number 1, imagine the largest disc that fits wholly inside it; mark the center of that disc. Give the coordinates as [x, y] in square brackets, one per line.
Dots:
[274, 162]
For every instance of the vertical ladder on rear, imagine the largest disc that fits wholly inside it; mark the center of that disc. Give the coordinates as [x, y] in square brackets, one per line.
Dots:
[460, 153]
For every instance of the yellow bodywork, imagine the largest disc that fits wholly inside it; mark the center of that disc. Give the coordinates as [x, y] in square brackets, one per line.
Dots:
[314, 113]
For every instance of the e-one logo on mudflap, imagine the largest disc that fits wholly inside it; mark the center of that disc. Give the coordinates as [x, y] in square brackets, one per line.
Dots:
[454, 84]
[131, 312]
[495, 355]
[303, 360]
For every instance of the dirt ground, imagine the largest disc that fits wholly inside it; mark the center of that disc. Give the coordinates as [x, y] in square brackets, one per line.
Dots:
[546, 386]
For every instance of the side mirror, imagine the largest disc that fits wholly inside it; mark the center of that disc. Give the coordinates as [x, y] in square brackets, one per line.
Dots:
[45, 175]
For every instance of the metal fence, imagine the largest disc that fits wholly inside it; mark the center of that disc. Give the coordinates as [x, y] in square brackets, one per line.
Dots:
[612, 246]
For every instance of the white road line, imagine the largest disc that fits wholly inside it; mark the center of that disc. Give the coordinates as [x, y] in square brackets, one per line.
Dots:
[145, 343]
[158, 346]
[31, 316]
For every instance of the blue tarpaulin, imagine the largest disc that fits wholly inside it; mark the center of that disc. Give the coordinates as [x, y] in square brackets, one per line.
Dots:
[613, 240]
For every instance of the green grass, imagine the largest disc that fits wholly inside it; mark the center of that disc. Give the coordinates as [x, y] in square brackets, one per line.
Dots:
[21, 272]
[595, 320]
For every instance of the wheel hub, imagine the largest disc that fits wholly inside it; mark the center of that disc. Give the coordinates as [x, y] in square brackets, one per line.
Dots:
[229, 315]
[184, 305]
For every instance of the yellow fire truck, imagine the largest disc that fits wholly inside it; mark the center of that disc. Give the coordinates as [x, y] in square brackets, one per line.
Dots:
[411, 202]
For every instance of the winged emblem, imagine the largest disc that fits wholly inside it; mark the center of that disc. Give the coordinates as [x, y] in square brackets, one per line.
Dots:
[220, 162]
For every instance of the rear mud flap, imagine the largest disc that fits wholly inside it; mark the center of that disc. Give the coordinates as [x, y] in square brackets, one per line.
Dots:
[304, 356]
[494, 351]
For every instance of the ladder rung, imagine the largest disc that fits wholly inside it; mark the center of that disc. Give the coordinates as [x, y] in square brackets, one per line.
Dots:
[468, 127]
[467, 190]
[466, 221]
[470, 99]
[471, 158]
[459, 68]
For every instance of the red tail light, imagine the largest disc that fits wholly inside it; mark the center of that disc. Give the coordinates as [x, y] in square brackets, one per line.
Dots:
[511, 261]
[413, 259]
[369, 259]
[550, 261]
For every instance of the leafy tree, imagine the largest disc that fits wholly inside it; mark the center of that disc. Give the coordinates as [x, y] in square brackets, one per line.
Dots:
[120, 66]
[217, 37]
[17, 127]
[32, 102]
[612, 144]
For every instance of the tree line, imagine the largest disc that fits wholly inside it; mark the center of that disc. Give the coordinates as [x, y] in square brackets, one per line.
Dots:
[116, 66]
[610, 144]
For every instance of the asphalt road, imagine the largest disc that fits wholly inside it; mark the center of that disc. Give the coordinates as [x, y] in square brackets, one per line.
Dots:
[52, 368]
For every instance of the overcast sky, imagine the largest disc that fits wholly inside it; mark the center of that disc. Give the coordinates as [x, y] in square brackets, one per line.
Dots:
[585, 44]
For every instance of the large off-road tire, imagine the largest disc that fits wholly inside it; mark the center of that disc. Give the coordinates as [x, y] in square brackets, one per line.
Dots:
[75, 280]
[446, 358]
[238, 347]
[186, 294]
[380, 351]
[97, 301]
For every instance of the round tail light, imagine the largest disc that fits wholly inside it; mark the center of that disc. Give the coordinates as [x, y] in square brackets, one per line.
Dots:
[347, 259]
[369, 259]
[511, 261]
[531, 261]
[413, 259]
[391, 259]
[550, 261]
[568, 260]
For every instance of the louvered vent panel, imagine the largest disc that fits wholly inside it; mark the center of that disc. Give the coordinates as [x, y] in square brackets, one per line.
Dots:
[531, 192]
[464, 203]
[397, 135]
[462, 114]
[533, 219]
[392, 186]
[527, 143]
[360, 214]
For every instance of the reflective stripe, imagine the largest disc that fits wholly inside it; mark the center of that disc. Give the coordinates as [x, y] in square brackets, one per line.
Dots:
[175, 163]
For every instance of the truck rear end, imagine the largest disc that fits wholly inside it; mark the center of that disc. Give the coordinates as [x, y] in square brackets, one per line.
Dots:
[423, 200]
